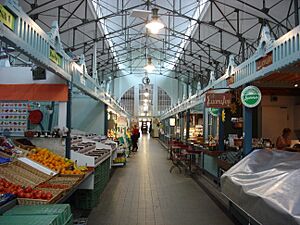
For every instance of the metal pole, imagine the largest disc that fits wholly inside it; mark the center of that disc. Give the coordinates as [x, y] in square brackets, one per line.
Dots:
[187, 132]
[205, 123]
[221, 131]
[69, 121]
[296, 12]
[105, 119]
[247, 146]
[51, 116]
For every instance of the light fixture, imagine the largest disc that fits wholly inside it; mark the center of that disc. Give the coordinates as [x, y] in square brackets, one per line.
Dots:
[149, 67]
[155, 24]
[296, 85]
[146, 100]
[145, 108]
[146, 93]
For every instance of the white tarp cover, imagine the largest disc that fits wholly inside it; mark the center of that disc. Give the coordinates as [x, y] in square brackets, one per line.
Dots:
[266, 185]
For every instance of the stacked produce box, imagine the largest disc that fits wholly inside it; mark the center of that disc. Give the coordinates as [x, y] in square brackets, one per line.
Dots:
[87, 199]
[59, 214]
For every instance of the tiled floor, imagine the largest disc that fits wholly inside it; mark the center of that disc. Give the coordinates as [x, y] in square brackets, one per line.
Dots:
[144, 192]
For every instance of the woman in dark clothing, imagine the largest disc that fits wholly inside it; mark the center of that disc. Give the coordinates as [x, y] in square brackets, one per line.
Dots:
[135, 134]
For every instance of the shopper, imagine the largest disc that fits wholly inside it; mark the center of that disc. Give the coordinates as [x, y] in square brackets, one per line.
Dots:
[135, 135]
[284, 141]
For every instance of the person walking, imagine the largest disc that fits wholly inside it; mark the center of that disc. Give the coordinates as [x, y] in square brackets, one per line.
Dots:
[135, 135]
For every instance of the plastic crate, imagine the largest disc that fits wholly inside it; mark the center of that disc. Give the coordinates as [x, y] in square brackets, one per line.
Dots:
[29, 220]
[87, 199]
[62, 211]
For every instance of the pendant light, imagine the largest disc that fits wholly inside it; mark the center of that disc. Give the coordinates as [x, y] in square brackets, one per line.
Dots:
[149, 67]
[155, 25]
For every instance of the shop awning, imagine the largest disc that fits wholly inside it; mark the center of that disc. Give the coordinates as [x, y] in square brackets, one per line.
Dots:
[34, 92]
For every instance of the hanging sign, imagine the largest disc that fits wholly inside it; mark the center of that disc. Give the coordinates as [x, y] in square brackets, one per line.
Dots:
[218, 100]
[7, 18]
[251, 96]
[172, 122]
[55, 57]
[264, 61]
[214, 111]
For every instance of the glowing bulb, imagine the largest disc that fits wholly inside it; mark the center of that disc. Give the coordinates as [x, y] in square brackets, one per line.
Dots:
[154, 26]
[146, 94]
[149, 68]
[296, 85]
[145, 108]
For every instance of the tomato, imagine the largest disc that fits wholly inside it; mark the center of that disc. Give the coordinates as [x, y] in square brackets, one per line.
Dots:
[48, 196]
[43, 195]
[38, 195]
[28, 195]
[21, 194]
[28, 189]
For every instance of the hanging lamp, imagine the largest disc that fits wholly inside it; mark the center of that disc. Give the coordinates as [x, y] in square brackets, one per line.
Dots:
[149, 67]
[155, 25]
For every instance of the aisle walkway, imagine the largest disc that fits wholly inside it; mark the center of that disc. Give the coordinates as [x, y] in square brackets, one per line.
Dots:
[145, 193]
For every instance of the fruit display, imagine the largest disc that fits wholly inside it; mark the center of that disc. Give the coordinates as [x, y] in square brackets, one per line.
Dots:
[22, 174]
[53, 161]
[54, 186]
[120, 160]
[22, 191]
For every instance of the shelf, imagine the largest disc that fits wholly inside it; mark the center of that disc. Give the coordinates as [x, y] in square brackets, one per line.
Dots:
[118, 164]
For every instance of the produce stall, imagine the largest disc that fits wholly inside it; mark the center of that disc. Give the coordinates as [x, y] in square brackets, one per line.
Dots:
[43, 177]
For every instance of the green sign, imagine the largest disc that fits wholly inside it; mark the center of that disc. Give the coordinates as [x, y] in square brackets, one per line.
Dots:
[7, 18]
[214, 111]
[55, 57]
[251, 96]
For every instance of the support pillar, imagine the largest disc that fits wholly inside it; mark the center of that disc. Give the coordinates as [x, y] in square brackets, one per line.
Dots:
[187, 132]
[69, 121]
[296, 6]
[181, 124]
[95, 75]
[105, 119]
[247, 130]
[221, 131]
[205, 123]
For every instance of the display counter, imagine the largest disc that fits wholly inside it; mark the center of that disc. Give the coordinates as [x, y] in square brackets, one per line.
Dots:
[265, 186]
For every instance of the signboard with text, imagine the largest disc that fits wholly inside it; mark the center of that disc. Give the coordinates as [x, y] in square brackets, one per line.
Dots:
[7, 18]
[55, 57]
[218, 100]
[264, 61]
[251, 96]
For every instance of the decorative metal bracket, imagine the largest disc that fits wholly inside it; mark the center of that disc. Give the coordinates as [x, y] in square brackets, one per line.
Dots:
[266, 40]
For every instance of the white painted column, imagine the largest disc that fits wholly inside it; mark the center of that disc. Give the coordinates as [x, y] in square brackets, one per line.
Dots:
[155, 99]
[136, 100]
[62, 114]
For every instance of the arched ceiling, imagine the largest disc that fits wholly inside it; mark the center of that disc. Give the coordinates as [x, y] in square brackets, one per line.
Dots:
[198, 37]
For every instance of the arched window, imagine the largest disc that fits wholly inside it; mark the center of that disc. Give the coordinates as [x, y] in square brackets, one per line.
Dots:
[164, 100]
[127, 100]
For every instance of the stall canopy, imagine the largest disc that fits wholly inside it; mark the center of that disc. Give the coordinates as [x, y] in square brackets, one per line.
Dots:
[34, 92]
[265, 184]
